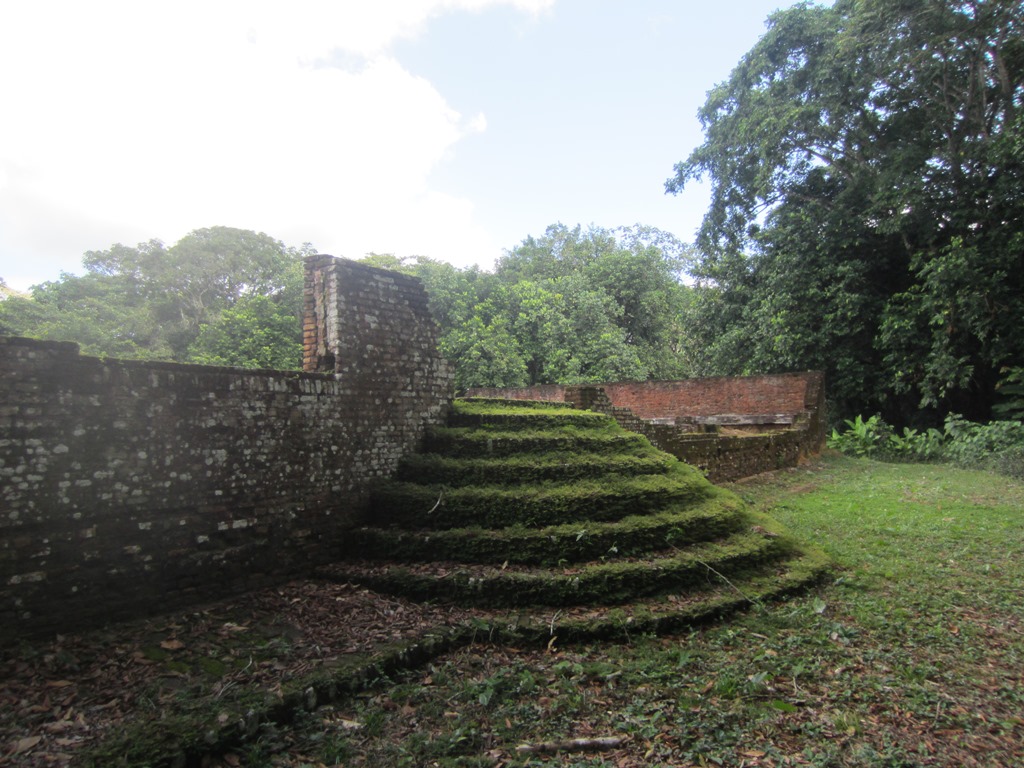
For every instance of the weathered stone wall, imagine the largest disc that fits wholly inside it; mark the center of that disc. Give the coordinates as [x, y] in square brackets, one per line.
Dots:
[543, 392]
[731, 457]
[783, 416]
[128, 487]
[373, 330]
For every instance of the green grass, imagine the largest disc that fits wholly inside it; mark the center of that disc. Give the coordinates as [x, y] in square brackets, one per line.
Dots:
[911, 655]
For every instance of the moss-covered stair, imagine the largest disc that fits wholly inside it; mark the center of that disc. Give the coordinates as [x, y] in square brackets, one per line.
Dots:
[551, 520]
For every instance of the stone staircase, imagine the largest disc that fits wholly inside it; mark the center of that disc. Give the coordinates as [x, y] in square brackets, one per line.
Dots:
[545, 519]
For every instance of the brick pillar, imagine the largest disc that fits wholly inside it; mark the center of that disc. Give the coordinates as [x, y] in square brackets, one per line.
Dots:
[317, 290]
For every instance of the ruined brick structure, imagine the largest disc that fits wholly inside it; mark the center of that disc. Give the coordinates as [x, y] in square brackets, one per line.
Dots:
[730, 427]
[129, 486]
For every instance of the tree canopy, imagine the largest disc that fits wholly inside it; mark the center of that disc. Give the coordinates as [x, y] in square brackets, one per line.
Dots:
[568, 307]
[219, 295]
[867, 216]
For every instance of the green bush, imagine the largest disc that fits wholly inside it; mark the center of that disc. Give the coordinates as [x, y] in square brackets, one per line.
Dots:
[862, 438]
[913, 445]
[1011, 395]
[997, 446]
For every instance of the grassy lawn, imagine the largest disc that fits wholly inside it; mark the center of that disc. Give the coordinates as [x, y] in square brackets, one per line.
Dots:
[911, 654]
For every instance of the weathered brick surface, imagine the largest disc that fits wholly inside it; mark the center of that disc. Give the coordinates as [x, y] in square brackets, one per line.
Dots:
[128, 487]
[784, 414]
[553, 392]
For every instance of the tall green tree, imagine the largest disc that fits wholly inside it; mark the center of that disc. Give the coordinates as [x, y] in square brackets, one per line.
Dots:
[867, 209]
[223, 295]
[255, 332]
[638, 269]
[569, 307]
[103, 314]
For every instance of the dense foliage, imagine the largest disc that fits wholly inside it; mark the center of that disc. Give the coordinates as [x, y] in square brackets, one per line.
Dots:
[867, 215]
[997, 446]
[219, 296]
[569, 307]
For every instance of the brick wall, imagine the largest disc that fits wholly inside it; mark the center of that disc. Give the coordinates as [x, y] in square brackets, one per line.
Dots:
[783, 415]
[552, 392]
[746, 395]
[128, 487]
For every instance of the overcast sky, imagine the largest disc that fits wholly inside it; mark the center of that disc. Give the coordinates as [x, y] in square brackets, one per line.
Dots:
[445, 128]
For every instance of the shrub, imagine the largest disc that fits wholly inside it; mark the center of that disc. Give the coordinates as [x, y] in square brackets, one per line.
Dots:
[1011, 395]
[997, 446]
[862, 438]
[913, 445]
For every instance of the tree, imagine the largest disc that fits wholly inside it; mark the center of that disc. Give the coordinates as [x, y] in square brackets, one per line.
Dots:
[150, 301]
[6, 290]
[255, 332]
[485, 355]
[207, 271]
[867, 205]
[637, 268]
[569, 307]
[100, 313]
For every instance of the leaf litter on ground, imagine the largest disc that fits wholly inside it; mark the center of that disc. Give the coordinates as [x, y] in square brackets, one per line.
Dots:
[911, 657]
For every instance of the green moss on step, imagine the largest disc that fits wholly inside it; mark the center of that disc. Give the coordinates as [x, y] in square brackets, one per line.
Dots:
[539, 504]
[436, 469]
[436, 507]
[474, 443]
[594, 583]
[513, 420]
[678, 526]
[501, 405]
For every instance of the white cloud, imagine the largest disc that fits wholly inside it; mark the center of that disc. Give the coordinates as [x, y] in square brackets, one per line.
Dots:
[126, 121]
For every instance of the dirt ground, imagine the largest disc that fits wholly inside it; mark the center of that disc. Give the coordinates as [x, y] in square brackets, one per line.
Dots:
[60, 695]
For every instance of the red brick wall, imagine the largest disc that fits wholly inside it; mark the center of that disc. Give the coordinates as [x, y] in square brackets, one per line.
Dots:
[636, 405]
[784, 393]
[748, 395]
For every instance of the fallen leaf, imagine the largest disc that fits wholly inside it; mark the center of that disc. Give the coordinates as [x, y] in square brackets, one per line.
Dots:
[24, 745]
